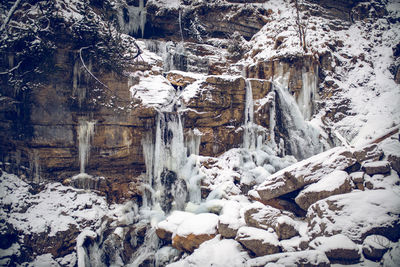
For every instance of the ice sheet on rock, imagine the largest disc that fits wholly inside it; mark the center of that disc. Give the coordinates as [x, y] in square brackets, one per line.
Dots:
[215, 252]
[312, 257]
[154, 91]
[354, 214]
[199, 224]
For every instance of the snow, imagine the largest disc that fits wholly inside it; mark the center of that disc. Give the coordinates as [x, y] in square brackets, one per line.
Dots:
[172, 222]
[355, 213]
[312, 257]
[329, 182]
[199, 224]
[327, 244]
[231, 216]
[252, 233]
[375, 164]
[376, 242]
[154, 91]
[215, 252]
[54, 209]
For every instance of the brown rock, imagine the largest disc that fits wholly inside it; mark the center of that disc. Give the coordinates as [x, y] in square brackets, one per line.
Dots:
[226, 231]
[304, 173]
[269, 217]
[337, 182]
[338, 248]
[370, 152]
[375, 246]
[190, 242]
[164, 234]
[258, 241]
[395, 162]
[377, 167]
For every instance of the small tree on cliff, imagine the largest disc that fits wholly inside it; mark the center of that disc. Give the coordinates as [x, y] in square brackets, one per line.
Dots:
[301, 24]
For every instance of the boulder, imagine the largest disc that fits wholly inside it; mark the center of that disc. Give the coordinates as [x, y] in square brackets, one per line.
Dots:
[230, 220]
[267, 217]
[351, 215]
[195, 230]
[258, 241]
[358, 179]
[338, 248]
[375, 246]
[304, 173]
[377, 167]
[337, 182]
[311, 258]
[166, 228]
[370, 152]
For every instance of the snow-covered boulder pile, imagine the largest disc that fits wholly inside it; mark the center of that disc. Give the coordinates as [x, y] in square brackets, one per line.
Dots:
[357, 215]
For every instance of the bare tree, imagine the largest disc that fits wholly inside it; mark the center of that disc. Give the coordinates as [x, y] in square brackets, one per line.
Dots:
[301, 24]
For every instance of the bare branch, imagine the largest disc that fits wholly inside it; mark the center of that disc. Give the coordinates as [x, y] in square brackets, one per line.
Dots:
[10, 13]
[91, 74]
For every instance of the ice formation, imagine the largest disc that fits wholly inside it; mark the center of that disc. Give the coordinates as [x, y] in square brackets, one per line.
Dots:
[85, 136]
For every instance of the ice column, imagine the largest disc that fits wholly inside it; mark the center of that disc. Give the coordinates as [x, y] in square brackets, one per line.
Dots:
[308, 94]
[85, 135]
[249, 136]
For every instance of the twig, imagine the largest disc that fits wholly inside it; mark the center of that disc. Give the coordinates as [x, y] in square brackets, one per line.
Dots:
[11, 70]
[10, 13]
[91, 74]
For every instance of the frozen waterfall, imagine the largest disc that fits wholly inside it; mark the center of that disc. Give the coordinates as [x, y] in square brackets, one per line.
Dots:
[168, 160]
[85, 135]
[249, 135]
[132, 19]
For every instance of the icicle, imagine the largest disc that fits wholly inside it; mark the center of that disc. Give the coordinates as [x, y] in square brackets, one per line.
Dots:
[136, 19]
[192, 143]
[249, 135]
[180, 24]
[308, 94]
[85, 135]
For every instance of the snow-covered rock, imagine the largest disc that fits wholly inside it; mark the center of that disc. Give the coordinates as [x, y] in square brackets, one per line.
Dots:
[168, 227]
[216, 252]
[357, 215]
[392, 257]
[337, 182]
[375, 246]
[230, 220]
[338, 248]
[312, 258]
[258, 241]
[195, 230]
[266, 217]
[377, 167]
[305, 172]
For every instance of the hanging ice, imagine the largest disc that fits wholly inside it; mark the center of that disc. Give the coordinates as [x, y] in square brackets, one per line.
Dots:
[302, 138]
[85, 135]
[308, 94]
[131, 19]
[249, 135]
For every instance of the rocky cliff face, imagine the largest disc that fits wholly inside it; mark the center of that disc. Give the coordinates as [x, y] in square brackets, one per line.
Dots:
[167, 105]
